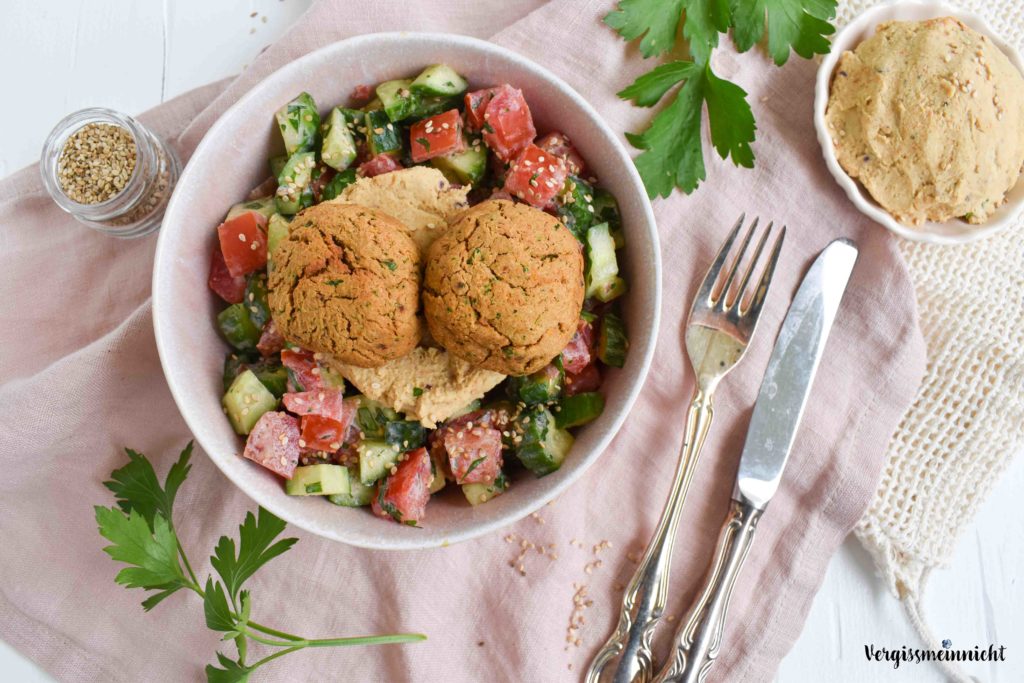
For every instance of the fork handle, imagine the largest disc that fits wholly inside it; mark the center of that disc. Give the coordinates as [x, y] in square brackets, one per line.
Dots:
[699, 638]
[644, 601]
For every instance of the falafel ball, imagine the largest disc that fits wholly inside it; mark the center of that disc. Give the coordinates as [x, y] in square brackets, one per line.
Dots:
[503, 287]
[346, 282]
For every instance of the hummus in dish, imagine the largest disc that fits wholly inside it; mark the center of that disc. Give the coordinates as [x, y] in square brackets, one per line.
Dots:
[929, 117]
[428, 384]
[421, 199]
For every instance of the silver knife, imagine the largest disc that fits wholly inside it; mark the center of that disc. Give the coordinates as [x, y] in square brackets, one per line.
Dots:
[773, 426]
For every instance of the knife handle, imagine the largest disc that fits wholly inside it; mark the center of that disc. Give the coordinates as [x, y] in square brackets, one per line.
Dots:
[696, 643]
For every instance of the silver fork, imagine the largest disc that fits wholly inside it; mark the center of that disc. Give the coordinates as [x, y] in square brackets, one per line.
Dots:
[722, 321]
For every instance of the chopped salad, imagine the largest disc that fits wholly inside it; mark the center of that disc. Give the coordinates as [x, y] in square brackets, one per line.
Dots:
[299, 418]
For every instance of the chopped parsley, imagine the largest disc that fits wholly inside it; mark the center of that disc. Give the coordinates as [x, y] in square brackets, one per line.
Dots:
[473, 465]
[334, 283]
[488, 128]
[391, 265]
[417, 391]
[425, 142]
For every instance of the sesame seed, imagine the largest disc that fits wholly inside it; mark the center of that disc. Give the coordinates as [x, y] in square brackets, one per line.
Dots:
[241, 237]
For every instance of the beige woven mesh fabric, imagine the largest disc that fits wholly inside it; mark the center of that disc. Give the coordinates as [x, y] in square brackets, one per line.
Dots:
[968, 418]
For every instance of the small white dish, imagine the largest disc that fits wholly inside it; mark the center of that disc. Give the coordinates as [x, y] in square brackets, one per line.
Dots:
[859, 29]
[232, 159]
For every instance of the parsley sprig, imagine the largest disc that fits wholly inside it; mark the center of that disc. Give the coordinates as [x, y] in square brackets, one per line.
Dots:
[672, 147]
[142, 535]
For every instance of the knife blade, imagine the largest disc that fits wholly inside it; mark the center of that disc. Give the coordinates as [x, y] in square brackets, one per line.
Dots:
[791, 369]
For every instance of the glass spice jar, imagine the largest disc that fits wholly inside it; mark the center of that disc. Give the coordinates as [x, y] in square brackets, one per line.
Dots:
[109, 171]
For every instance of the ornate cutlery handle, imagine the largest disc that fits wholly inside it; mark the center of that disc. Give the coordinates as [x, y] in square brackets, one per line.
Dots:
[644, 600]
[699, 638]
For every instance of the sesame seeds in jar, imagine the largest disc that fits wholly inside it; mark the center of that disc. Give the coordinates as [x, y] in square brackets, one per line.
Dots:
[109, 171]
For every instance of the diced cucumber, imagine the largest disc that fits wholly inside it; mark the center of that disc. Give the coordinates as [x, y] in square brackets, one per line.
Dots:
[338, 183]
[273, 375]
[237, 327]
[612, 342]
[541, 387]
[339, 146]
[355, 119]
[543, 446]
[477, 494]
[431, 106]
[464, 168]
[573, 411]
[246, 400]
[439, 79]
[468, 408]
[277, 230]
[437, 471]
[331, 378]
[255, 299]
[299, 123]
[396, 98]
[575, 206]
[318, 480]
[295, 177]
[372, 417]
[263, 206]
[359, 494]
[372, 105]
[234, 365]
[382, 135]
[375, 459]
[602, 275]
[405, 435]
[606, 210]
[277, 163]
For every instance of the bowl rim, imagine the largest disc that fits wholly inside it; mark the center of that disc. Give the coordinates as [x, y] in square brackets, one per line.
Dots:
[287, 71]
[863, 20]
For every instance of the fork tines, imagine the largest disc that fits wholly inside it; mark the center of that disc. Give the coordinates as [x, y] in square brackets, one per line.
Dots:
[720, 289]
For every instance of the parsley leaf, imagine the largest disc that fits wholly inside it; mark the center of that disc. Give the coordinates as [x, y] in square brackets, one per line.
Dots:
[800, 25]
[658, 19]
[152, 553]
[136, 486]
[216, 609]
[473, 466]
[705, 19]
[255, 549]
[233, 672]
[673, 153]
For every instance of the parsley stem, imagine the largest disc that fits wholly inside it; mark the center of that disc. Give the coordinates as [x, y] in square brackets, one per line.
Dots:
[340, 642]
[268, 658]
[184, 559]
[273, 631]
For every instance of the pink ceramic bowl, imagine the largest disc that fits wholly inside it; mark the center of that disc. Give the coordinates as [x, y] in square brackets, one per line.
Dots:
[232, 159]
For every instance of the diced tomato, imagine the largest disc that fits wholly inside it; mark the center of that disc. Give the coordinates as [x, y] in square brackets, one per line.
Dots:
[274, 443]
[243, 242]
[437, 136]
[474, 454]
[403, 496]
[303, 371]
[362, 93]
[378, 165]
[558, 144]
[326, 402]
[508, 125]
[264, 189]
[270, 341]
[536, 176]
[589, 379]
[321, 181]
[229, 287]
[578, 352]
[476, 105]
[321, 433]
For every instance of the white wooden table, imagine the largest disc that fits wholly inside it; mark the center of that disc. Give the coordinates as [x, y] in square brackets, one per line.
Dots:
[63, 55]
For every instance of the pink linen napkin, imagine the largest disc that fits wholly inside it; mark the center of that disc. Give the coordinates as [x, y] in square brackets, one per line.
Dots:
[80, 379]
